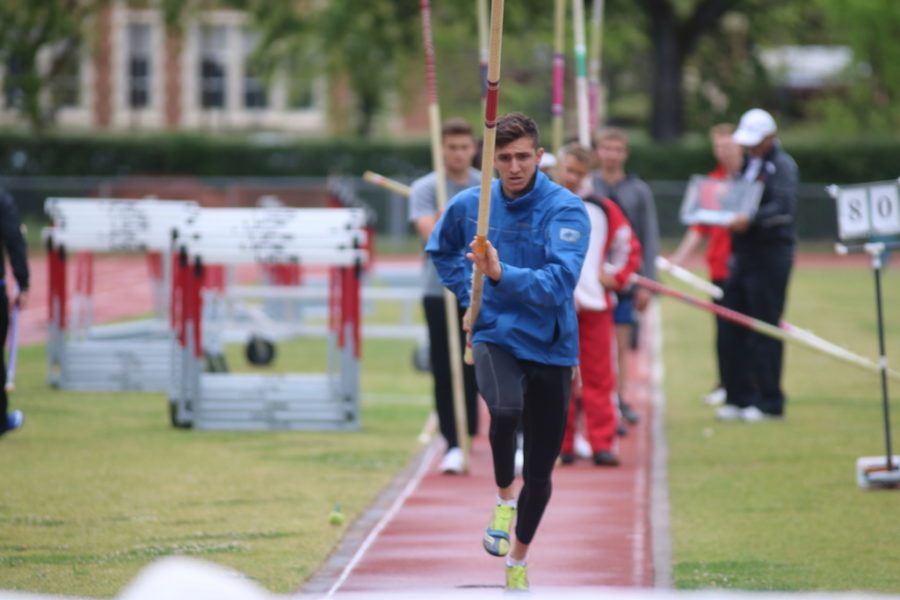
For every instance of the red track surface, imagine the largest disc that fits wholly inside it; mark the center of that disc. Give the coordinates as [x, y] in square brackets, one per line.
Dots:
[596, 531]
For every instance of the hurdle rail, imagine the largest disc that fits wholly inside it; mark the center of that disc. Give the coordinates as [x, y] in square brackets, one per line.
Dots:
[126, 356]
[331, 237]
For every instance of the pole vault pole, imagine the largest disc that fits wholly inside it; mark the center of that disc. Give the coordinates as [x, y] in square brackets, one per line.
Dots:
[559, 70]
[581, 92]
[787, 335]
[716, 292]
[483, 51]
[387, 183]
[487, 158]
[595, 91]
[451, 313]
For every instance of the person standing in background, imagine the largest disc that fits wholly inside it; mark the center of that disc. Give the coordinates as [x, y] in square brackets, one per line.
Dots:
[613, 255]
[762, 248]
[458, 149]
[635, 199]
[729, 158]
[12, 245]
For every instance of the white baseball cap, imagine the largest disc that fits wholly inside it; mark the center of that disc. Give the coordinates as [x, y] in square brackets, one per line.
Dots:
[755, 125]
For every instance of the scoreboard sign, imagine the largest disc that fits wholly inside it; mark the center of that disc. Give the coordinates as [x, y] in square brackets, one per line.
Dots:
[868, 210]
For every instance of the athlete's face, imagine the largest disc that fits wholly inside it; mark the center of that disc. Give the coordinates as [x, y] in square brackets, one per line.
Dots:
[572, 173]
[516, 163]
[459, 150]
[612, 154]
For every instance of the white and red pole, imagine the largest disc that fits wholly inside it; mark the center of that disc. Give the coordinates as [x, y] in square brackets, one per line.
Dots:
[487, 158]
[451, 313]
[787, 334]
[557, 107]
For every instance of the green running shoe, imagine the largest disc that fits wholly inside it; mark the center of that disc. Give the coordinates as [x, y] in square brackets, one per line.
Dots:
[496, 536]
[517, 579]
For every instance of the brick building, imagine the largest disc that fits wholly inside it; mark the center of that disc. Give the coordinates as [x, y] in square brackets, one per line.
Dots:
[138, 74]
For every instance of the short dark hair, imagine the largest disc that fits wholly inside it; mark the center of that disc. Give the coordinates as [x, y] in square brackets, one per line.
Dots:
[514, 126]
[456, 126]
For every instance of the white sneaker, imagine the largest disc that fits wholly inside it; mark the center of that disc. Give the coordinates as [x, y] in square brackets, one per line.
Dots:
[519, 461]
[453, 462]
[716, 397]
[729, 412]
[582, 447]
[752, 414]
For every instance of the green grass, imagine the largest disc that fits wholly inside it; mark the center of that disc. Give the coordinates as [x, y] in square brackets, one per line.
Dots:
[774, 505]
[97, 485]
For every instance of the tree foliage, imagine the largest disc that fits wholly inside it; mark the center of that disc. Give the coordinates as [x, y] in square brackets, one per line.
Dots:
[36, 41]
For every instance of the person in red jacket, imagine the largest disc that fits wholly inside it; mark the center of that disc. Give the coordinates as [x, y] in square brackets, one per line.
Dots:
[613, 254]
[729, 156]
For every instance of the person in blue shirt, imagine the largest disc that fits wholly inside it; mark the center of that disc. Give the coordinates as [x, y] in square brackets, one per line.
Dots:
[525, 336]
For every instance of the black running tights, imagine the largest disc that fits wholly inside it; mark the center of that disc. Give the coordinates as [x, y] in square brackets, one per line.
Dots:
[538, 395]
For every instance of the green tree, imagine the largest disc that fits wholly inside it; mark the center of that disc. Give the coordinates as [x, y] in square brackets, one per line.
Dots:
[871, 100]
[37, 43]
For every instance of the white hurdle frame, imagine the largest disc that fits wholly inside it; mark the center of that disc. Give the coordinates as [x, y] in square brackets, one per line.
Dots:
[133, 356]
[332, 237]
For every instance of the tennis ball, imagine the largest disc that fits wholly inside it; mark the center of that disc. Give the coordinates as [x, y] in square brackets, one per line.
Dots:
[336, 517]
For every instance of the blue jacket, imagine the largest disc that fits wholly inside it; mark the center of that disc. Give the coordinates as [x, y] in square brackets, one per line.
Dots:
[541, 238]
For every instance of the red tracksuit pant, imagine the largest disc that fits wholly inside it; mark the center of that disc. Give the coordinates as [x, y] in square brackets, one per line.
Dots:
[597, 358]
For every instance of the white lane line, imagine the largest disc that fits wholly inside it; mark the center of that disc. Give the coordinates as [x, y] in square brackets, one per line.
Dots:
[411, 485]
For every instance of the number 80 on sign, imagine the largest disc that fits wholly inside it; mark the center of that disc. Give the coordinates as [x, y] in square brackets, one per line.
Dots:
[867, 210]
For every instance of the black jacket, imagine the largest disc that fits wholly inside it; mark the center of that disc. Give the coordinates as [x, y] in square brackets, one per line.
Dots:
[774, 223]
[12, 243]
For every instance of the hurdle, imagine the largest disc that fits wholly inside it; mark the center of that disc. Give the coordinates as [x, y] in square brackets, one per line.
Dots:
[331, 238]
[125, 356]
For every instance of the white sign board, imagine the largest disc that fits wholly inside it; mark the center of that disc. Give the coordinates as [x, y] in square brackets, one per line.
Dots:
[868, 210]
[717, 201]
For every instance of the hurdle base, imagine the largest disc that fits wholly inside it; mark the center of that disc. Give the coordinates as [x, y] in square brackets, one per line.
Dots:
[872, 473]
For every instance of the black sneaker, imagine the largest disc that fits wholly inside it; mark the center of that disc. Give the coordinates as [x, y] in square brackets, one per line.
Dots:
[566, 458]
[621, 430]
[628, 413]
[605, 458]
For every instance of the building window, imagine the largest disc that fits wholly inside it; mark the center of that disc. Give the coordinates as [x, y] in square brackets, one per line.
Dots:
[255, 93]
[140, 51]
[299, 87]
[13, 96]
[66, 84]
[213, 47]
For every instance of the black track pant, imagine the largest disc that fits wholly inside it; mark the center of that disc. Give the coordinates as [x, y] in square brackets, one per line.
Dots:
[439, 354]
[751, 361]
[538, 394]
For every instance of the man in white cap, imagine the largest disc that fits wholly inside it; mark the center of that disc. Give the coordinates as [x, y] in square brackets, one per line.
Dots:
[762, 255]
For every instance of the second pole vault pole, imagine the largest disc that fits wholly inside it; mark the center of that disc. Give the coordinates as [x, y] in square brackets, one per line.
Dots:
[595, 90]
[786, 335]
[487, 158]
[557, 106]
[581, 90]
[451, 313]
